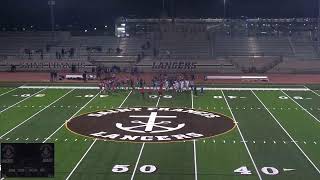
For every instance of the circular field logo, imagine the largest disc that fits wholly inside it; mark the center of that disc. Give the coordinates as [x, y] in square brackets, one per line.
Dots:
[150, 124]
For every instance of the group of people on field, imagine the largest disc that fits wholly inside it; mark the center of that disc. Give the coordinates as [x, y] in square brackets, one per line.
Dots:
[158, 84]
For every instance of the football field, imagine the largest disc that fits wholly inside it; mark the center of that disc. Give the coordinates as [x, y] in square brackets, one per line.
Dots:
[275, 133]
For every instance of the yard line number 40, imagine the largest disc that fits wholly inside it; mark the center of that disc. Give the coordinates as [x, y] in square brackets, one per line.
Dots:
[271, 171]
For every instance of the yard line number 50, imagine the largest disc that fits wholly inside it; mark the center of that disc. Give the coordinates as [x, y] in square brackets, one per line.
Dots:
[147, 169]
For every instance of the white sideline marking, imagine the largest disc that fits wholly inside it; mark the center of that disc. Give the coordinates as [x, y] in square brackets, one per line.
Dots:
[35, 114]
[84, 155]
[22, 100]
[95, 140]
[208, 88]
[8, 91]
[71, 117]
[287, 134]
[244, 141]
[301, 106]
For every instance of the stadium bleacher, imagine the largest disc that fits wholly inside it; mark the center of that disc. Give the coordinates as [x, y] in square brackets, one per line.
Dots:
[193, 40]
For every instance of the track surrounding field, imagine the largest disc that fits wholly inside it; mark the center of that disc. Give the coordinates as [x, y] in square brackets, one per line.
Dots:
[277, 135]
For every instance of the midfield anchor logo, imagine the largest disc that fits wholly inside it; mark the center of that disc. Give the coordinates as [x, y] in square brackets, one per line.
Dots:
[147, 124]
[151, 124]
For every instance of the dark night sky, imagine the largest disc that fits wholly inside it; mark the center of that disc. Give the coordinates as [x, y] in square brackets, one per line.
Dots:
[99, 12]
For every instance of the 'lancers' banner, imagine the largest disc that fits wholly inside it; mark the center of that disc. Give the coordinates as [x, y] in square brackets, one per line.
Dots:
[174, 65]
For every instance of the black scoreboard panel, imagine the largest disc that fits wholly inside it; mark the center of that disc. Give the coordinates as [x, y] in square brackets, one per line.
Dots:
[27, 160]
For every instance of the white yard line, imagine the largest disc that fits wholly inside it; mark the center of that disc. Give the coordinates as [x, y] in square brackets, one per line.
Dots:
[9, 91]
[158, 102]
[312, 91]
[192, 99]
[301, 106]
[194, 148]
[125, 99]
[136, 165]
[85, 154]
[287, 133]
[71, 117]
[35, 114]
[22, 101]
[195, 160]
[140, 153]
[244, 141]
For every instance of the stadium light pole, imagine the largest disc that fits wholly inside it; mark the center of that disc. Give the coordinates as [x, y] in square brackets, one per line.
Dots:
[224, 9]
[51, 3]
[163, 4]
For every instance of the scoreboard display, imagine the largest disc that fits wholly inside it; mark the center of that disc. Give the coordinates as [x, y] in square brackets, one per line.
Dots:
[27, 160]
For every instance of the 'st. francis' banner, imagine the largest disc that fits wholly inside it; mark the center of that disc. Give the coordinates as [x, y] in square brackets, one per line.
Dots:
[54, 65]
[177, 65]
